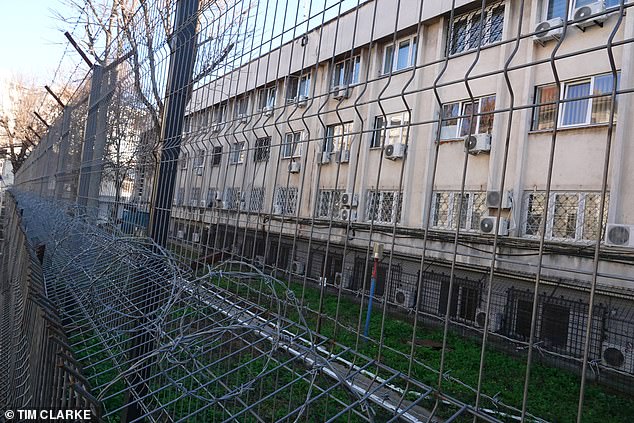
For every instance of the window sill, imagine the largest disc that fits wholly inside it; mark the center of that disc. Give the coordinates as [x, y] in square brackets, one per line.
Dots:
[376, 148]
[451, 140]
[236, 163]
[290, 157]
[570, 128]
[396, 72]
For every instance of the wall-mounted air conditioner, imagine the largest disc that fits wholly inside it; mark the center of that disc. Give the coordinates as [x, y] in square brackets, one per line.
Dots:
[294, 167]
[216, 127]
[617, 356]
[619, 235]
[195, 237]
[267, 110]
[344, 156]
[584, 16]
[548, 30]
[344, 281]
[497, 200]
[495, 321]
[404, 297]
[349, 199]
[323, 158]
[395, 151]
[487, 225]
[340, 92]
[242, 117]
[477, 143]
[302, 101]
[297, 267]
[348, 214]
[199, 170]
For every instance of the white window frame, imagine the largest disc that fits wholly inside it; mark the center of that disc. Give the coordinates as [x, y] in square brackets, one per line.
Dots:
[478, 116]
[550, 223]
[339, 142]
[384, 139]
[563, 103]
[282, 196]
[302, 89]
[347, 76]
[239, 111]
[269, 94]
[410, 57]
[237, 153]
[470, 225]
[295, 152]
[397, 201]
[469, 17]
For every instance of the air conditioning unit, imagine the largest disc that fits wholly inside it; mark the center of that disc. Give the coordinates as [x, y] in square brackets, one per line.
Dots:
[347, 214]
[619, 235]
[199, 170]
[302, 101]
[497, 200]
[267, 110]
[324, 158]
[395, 151]
[548, 30]
[340, 92]
[195, 237]
[617, 356]
[278, 209]
[243, 118]
[404, 298]
[297, 267]
[349, 199]
[495, 321]
[218, 195]
[226, 205]
[294, 167]
[343, 280]
[259, 261]
[582, 15]
[216, 127]
[477, 143]
[180, 234]
[344, 156]
[487, 225]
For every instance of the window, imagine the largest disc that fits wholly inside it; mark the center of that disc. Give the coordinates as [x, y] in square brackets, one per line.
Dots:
[241, 107]
[576, 108]
[194, 199]
[236, 155]
[267, 98]
[328, 203]
[211, 197]
[461, 118]
[291, 146]
[346, 72]
[199, 160]
[447, 213]
[220, 112]
[557, 8]
[232, 198]
[572, 216]
[383, 206]
[297, 88]
[285, 201]
[472, 29]
[180, 197]
[256, 200]
[184, 160]
[338, 137]
[390, 130]
[400, 55]
[216, 156]
[262, 149]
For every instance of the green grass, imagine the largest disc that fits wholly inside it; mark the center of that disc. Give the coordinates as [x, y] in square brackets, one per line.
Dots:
[552, 394]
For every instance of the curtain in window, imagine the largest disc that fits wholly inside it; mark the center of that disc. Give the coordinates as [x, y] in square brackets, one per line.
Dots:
[575, 112]
[601, 105]
[556, 8]
[545, 114]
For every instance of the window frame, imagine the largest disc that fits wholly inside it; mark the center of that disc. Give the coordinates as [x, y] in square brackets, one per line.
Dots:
[238, 111]
[470, 224]
[381, 133]
[345, 138]
[262, 149]
[411, 56]
[281, 199]
[563, 102]
[237, 153]
[296, 145]
[468, 17]
[462, 116]
[395, 213]
[216, 155]
[348, 75]
[269, 94]
[303, 81]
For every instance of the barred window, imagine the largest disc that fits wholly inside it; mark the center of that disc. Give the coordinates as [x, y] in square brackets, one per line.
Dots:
[383, 206]
[216, 156]
[237, 153]
[477, 118]
[232, 198]
[262, 149]
[572, 216]
[285, 201]
[256, 200]
[337, 137]
[291, 145]
[391, 129]
[576, 109]
[328, 203]
[472, 29]
[447, 211]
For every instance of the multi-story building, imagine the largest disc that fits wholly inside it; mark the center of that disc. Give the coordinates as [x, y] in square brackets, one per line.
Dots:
[427, 130]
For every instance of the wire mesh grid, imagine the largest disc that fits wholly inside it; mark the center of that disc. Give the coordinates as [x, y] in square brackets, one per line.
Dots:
[265, 147]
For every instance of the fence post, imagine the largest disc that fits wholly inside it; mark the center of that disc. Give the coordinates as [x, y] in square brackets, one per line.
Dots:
[178, 88]
[60, 175]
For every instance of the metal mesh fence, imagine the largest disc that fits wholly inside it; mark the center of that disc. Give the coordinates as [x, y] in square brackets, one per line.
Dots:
[216, 188]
